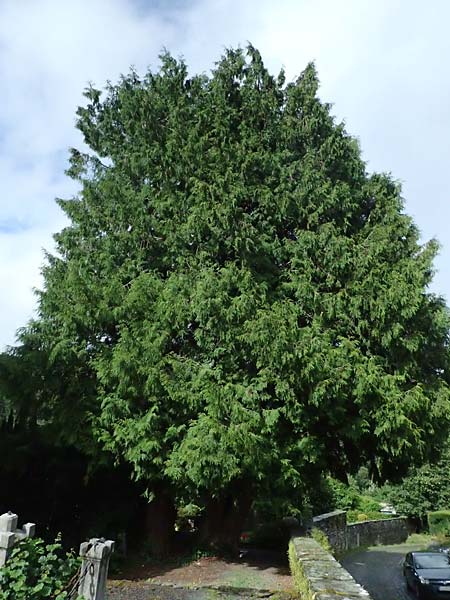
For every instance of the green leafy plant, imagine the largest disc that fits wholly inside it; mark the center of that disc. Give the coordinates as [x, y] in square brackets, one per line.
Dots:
[37, 571]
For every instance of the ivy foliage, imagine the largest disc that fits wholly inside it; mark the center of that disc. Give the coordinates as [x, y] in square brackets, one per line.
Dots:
[36, 570]
[245, 301]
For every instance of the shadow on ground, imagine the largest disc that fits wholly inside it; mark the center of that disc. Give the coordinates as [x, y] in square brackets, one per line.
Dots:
[258, 573]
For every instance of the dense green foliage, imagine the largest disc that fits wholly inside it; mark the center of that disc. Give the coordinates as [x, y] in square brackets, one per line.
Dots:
[36, 571]
[424, 489]
[360, 504]
[344, 496]
[236, 306]
[439, 522]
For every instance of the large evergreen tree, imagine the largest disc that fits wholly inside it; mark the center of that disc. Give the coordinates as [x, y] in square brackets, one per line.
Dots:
[249, 305]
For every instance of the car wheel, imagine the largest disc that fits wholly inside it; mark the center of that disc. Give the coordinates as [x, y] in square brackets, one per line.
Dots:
[418, 592]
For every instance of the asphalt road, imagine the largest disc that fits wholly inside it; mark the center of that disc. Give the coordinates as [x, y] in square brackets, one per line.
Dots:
[379, 570]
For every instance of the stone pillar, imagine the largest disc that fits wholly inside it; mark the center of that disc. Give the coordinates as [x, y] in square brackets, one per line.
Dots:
[95, 556]
[10, 535]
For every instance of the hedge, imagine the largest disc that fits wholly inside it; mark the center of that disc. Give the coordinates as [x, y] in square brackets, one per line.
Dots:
[439, 522]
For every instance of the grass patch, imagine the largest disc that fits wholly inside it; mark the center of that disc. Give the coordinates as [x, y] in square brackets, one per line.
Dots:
[298, 575]
[420, 538]
[425, 540]
[320, 537]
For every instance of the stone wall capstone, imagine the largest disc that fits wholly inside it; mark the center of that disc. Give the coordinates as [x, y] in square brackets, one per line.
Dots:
[318, 575]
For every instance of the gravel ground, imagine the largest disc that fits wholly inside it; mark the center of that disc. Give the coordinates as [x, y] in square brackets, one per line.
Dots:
[379, 570]
[135, 590]
[258, 574]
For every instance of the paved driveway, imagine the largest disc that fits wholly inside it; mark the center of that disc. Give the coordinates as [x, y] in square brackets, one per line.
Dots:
[379, 570]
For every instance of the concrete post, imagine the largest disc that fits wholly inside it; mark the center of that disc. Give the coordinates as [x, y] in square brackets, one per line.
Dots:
[10, 535]
[95, 556]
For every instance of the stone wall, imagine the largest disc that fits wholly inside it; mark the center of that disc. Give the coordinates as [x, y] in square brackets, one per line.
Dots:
[365, 533]
[376, 533]
[317, 574]
[334, 526]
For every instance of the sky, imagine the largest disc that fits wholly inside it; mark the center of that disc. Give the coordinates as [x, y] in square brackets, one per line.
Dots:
[384, 64]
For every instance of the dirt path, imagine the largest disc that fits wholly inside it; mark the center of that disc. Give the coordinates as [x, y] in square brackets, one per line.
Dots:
[258, 574]
[379, 570]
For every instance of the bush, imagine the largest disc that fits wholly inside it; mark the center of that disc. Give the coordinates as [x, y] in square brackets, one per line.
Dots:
[424, 489]
[359, 507]
[343, 495]
[362, 517]
[439, 522]
[354, 516]
[368, 505]
[36, 570]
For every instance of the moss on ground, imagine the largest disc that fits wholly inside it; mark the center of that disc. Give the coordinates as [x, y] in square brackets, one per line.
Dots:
[298, 575]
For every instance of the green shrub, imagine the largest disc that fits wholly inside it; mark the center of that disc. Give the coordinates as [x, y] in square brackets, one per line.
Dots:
[424, 489]
[36, 570]
[355, 516]
[344, 496]
[439, 522]
[362, 517]
[368, 505]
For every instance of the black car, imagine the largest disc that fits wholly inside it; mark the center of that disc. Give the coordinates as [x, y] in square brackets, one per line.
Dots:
[428, 574]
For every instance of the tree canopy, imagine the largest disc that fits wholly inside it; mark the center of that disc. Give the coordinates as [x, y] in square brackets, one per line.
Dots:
[241, 303]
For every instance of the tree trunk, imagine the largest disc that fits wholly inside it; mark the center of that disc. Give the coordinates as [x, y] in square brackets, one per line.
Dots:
[159, 523]
[225, 518]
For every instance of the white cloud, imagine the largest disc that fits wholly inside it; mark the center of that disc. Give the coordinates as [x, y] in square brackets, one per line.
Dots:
[383, 63]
